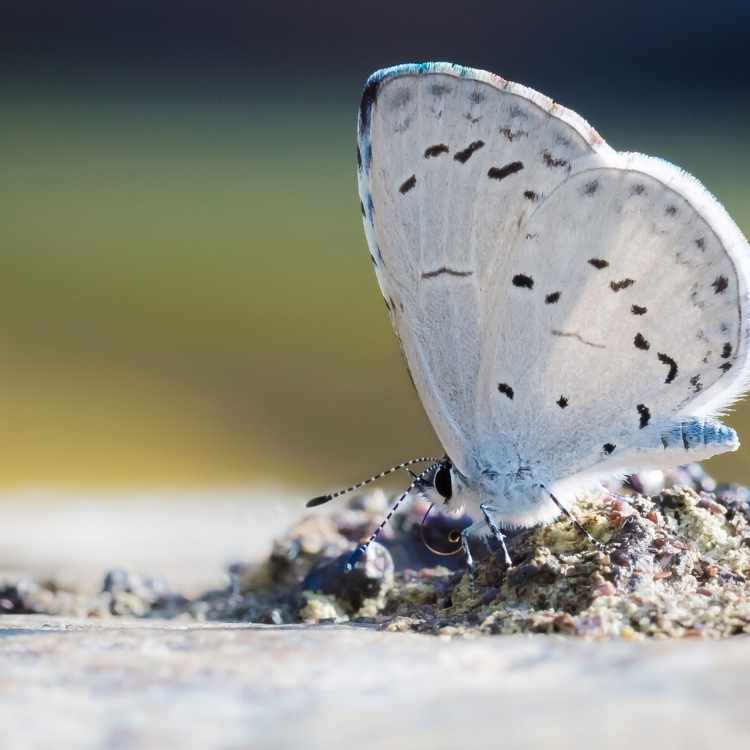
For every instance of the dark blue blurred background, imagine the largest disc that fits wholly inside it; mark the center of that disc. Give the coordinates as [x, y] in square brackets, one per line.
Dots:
[185, 296]
[672, 47]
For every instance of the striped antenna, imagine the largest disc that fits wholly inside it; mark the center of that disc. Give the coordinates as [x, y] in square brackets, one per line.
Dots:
[362, 548]
[325, 498]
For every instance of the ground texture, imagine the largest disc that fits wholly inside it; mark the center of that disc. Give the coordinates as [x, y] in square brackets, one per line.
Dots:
[286, 649]
[125, 686]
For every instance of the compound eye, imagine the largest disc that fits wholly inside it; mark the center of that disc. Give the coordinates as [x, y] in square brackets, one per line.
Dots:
[443, 481]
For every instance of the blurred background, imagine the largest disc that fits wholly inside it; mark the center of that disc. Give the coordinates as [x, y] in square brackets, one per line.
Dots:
[186, 298]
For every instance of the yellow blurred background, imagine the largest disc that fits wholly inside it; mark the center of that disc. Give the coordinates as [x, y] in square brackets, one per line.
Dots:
[185, 293]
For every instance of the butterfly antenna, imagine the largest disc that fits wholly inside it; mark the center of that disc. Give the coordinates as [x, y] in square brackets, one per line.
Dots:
[325, 498]
[357, 554]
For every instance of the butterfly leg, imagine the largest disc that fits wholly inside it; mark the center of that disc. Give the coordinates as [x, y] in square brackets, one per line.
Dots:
[470, 564]
[574, 521]
[494, 528]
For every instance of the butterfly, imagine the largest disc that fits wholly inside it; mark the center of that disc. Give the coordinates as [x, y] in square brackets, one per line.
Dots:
[566, 312]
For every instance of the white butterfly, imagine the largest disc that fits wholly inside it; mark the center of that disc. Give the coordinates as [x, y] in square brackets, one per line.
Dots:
[566, 312]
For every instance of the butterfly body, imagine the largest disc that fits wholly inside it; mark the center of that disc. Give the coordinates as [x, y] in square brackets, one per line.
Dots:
[516, 494]
[566, 312]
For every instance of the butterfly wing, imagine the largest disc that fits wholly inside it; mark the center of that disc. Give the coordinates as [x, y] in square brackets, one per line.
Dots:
[637, 320]
[555, 300]
[441, 150]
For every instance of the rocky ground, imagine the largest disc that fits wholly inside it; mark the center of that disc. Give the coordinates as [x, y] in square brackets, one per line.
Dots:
[672, 563]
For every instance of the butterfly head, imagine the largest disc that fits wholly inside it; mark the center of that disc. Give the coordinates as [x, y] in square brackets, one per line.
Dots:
[439, 483]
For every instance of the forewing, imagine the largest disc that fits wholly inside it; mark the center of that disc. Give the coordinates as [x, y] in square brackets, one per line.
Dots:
[452, 163]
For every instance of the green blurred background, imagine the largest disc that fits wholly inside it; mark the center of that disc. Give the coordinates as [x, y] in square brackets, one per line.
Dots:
[185, 293]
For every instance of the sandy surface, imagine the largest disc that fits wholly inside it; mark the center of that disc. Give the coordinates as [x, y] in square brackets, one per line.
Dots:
[131, 685]
[123, 684]
[186, 537]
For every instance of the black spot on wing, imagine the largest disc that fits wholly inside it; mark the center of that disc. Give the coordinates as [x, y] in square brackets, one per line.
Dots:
[551, 161]
[645, 415]
[726, 367]
[440, 89]
[590, 187]
[506, 389]
[638, 189]
[530, 195]
[512, 134]
[465, 155]
[637, 310]
[665, 359]
[726, 351]
[695, 381]
[640, 342]
[609, 448]
[700, 243]
[720, 284]
[616, 286]
[445, 270]
[400, 98]
[407, 185]
[551, 299]
[598, 263]
[523, 281]
[562, 402]
[671, 210]
[500, 173]
[436, 150]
